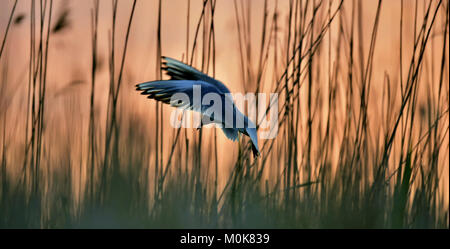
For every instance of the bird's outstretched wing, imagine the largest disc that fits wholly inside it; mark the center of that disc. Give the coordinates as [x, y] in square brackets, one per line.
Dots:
[177, 70]
[168, 91]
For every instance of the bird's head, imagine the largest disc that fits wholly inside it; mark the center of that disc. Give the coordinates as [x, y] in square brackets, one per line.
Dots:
[252, 133]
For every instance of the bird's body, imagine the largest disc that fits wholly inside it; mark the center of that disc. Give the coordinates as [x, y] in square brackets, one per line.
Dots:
[186, 80]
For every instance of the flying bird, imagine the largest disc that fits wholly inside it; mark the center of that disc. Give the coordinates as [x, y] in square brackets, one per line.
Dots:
[183, 79]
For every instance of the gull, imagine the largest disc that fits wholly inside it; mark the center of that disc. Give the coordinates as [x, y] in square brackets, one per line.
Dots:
[185, 79]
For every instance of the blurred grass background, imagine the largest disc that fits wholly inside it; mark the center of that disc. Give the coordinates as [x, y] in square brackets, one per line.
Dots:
[363, 117]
